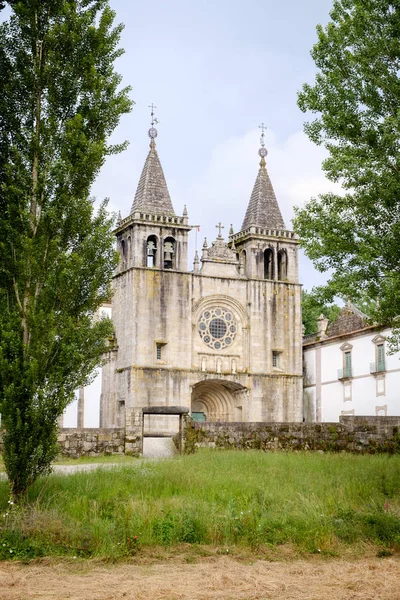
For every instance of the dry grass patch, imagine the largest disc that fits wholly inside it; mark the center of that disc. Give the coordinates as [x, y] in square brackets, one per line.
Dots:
[210, 579]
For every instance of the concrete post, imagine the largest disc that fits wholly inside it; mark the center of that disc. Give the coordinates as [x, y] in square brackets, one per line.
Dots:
[81, 408]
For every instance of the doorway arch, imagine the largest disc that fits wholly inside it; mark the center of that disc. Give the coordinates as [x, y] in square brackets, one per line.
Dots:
[218, 400]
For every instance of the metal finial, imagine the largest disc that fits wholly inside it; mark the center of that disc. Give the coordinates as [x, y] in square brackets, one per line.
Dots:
[262, 151]
[153, 131]
[220, 227]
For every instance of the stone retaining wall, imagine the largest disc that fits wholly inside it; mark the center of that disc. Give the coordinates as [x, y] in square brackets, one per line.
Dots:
[352, 434]
[91, 442]
[88, 442]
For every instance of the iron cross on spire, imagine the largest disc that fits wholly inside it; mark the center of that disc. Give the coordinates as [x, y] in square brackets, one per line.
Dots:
[220, 227]
[263, 130]
[153, 118]
[153, 131]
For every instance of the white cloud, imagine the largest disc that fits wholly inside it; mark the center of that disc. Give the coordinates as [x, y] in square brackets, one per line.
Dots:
[222, 191]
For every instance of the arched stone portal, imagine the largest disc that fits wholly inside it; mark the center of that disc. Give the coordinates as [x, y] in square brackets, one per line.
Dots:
[219, 400]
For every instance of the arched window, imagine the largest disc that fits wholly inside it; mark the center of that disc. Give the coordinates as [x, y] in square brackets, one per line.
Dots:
[282, 265]
[242, 263]
[169, 253]
[268, 263]
[151, 251]
[123, 254]
[128, 251]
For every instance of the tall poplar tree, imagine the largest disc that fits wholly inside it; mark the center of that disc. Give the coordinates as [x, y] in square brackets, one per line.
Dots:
[355, 236]
[60, 99]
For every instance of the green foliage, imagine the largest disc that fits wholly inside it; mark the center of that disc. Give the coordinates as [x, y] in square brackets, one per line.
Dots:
[312, 308]
[59, 102]
[314, 502]
[355, 97]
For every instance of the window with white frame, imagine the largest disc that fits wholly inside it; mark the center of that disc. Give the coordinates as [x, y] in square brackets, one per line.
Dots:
[346, 371]
[379, 366]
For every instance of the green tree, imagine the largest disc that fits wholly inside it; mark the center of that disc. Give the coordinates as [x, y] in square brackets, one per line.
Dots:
[60, 99]
[312, 308]
[355, 235]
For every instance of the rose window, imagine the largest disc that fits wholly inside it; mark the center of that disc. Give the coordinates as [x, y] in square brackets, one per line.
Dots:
[217, 328]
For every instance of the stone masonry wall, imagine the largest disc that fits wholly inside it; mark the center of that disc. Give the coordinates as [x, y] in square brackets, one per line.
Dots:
[88, 442]
[353, 434]
[91, 442]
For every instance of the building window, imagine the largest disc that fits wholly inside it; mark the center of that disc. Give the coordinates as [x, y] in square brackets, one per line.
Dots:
[151, 251]
[381, 411]
[169, 253]
[282, 265]
[347, 364]
[123, 253]
[129, 251]
[379, 366]
[346, 372]
[217, 327]
[276, 359]
[160, 351]
[242, 263]
[269, 264]
[380, 356]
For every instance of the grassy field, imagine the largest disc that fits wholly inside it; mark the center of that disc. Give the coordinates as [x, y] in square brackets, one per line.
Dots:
[311, 503]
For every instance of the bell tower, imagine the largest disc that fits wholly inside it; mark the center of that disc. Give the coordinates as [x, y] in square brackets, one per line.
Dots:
[151, 300]
[267, 253]
[267, 250]
[152, 236]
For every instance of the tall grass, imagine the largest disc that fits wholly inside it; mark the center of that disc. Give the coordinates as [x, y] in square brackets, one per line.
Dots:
[315, 502]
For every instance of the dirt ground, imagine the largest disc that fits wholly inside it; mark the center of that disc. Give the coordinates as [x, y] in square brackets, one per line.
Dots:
[217, 578]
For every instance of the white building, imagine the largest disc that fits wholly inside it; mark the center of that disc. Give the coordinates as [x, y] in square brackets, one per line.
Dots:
[348, 371]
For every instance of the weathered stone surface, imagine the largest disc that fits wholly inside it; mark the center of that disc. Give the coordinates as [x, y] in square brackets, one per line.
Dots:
[91, 442]
[165, 410]
[152, 194]
[350, 319]
[263, 209]
[353, 434]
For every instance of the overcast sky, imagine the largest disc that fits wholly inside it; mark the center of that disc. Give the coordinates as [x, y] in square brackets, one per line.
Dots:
[216, 69]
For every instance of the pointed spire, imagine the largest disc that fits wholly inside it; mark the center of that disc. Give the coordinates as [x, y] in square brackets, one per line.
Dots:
[196, 263]
[263, 209]
[152, 193]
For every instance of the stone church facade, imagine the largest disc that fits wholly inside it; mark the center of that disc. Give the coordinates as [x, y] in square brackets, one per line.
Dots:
[224, 339]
